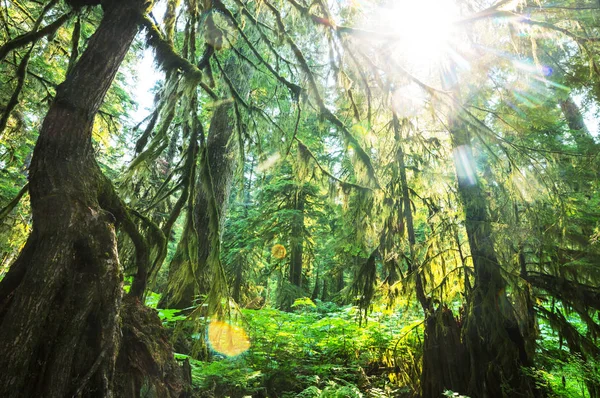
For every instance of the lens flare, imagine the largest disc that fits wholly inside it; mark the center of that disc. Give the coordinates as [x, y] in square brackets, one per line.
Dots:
[226, 339]
[465, 165]
[278, 251]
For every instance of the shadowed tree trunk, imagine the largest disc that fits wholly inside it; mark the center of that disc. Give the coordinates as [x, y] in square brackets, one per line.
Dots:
[445, 363]
[60, 302]
[491, 334]
[339, 281]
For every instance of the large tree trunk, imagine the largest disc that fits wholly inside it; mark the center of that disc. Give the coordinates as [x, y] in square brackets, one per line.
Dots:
[492, 335]
[60, 301]
[445, 361]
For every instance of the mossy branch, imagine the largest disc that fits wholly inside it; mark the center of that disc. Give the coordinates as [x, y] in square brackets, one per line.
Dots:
[169, 60]
[344, 184]
[166, 57]
[13, 203]
[14, 99]
[576, 342]
[34, 36]
[325, 112]
[566, 290]
[188, 177]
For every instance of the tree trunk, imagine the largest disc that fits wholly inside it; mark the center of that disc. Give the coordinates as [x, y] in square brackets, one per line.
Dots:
[315, 292]
[297, 240]
[445, 361]
[59, 303]
[339, 281]
[238, 280]
[491, 333]
[183, 286]
[579, 131]
[181, 282]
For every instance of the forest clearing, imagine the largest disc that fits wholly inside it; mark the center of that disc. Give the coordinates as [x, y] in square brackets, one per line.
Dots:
[299, 198]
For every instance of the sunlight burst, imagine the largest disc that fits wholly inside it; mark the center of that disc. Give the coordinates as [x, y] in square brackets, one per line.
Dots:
[420, 30]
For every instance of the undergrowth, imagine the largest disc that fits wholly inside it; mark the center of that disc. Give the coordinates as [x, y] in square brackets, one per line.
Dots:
[319, 350]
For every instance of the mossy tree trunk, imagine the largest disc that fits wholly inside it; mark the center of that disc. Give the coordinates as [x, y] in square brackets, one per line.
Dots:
[445, 363]
[492, 337]
[60, 301]
[581, 135]
[188, 279]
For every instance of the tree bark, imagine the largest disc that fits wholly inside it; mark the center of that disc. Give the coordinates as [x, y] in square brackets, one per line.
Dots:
[491, 333]
[297, 240]
[60, 302]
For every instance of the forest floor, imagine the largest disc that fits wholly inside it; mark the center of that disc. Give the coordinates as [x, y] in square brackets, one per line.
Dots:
[323, 350]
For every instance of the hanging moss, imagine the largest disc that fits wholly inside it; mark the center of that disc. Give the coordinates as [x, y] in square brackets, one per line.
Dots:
[166, 57]
[363, 286]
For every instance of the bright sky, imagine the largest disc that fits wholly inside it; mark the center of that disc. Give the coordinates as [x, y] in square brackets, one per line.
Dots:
[147, 76]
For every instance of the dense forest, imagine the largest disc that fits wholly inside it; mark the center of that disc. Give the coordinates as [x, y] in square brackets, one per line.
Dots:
[299, 198]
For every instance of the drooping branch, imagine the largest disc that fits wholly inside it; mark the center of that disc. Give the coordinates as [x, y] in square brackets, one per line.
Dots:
[408, 215]
[14, 99]
[566, 290]
[294, 88]
[344, 184]
[364, 284]
[576, 342]
[188, 178]
[5, 211]
[22, 68]
[32, 37]
[325, 112]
